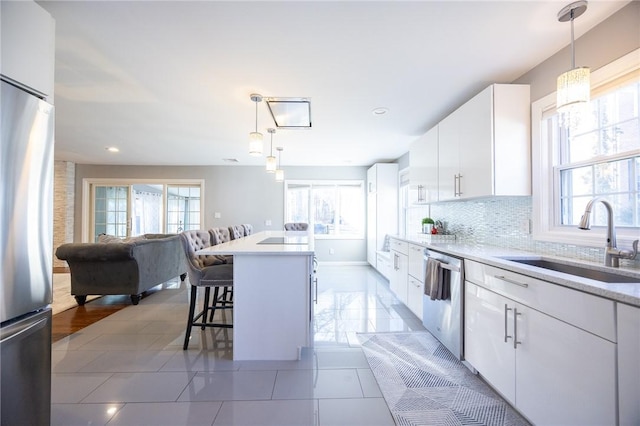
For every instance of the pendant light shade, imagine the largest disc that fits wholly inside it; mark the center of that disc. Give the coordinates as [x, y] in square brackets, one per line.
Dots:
[255, 137]
[573, 87]
[279, 171]
[271, 160]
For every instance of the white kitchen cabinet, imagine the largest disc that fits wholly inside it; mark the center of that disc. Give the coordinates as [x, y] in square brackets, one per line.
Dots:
[382, 208]
[399, 269]
[28, 35]
[628, 364]
[416, 261]
[415, 279]
[484, 146]
[487, 344]
[564, 375]
[383, 263]
[415, 293]
[423, 168]
[521, 337]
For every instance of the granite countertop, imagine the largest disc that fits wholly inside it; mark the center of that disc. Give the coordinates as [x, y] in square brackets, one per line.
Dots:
[628, 293]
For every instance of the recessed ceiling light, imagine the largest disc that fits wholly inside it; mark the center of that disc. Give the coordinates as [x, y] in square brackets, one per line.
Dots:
[112, 149]
[230, 160]
[380, 111]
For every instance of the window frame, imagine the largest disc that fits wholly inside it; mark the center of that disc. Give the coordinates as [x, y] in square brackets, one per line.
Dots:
[320, 182]
[545, 199]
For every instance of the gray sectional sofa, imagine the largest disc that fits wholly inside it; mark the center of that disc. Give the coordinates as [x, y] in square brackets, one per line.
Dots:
[123, 266]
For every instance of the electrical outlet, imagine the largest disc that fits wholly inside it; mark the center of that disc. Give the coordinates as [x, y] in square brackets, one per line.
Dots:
[267, 222]
[217, 215]
[525, 226]
[331, 251]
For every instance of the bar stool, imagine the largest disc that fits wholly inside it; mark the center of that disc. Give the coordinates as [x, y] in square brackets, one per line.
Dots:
[207, 272]
[236, 231]
[296, 226]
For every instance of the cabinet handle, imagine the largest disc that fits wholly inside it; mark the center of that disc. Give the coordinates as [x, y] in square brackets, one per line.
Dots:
[515, 328]
[455, 185]
[395, 261]
[315, 280]
[459, 185]
[506, 336]
[503, 278]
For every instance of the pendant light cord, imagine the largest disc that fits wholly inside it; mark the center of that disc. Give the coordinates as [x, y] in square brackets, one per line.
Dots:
[573, 51]
[256, 116]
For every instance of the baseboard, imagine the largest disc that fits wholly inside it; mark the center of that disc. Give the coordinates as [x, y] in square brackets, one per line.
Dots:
[61, 270]
[344, 263]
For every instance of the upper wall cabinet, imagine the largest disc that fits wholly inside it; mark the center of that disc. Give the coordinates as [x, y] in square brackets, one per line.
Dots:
[28, 35]
[484, 146]
[423, 168]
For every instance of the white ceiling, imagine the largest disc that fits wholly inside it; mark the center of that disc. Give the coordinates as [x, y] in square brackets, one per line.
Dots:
[168, 82]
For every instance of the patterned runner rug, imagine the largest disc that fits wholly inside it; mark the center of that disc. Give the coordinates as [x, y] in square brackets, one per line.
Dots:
[424, 384]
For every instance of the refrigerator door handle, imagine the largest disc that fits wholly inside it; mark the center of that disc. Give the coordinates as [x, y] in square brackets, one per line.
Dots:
[8, 334]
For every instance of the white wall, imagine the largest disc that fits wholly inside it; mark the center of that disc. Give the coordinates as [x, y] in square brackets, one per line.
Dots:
[611, 39]
[241, 194]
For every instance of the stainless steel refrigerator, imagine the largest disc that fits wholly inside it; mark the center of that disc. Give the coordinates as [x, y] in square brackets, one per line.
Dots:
[26, 245]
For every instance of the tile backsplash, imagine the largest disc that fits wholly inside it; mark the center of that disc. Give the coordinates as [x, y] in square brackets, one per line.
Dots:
[503, 222]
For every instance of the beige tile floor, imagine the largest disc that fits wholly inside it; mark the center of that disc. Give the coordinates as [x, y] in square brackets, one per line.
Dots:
[130, 369]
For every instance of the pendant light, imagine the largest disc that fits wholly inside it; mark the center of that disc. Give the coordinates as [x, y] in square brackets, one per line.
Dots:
[574, 89]
[271, 160]
[279, 171]
[255, 137]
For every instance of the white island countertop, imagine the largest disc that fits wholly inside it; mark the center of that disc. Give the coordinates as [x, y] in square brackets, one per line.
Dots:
[266, 242]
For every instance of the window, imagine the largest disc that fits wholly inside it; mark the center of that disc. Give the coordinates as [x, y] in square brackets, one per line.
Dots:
[333, 209]
[126, 208]
[601, 158]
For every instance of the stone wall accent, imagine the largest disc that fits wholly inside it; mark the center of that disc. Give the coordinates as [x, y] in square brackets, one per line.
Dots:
[64, 175]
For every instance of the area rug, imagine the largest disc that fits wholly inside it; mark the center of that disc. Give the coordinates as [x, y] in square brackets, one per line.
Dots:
[62, 298]
[424, 384]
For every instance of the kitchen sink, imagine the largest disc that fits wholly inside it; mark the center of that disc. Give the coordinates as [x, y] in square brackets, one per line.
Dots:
[592, 274]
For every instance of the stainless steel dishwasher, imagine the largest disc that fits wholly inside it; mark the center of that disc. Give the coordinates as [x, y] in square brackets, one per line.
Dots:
[443, 318]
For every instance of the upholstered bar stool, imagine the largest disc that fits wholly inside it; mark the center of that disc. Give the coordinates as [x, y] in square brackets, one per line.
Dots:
[205, 272]
[219, 236]
[296, 226]
[248, 229]
[236, 231]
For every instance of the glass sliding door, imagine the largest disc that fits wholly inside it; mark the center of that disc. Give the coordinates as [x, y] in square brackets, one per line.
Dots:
[183, 208]
[111, 210]
[128, 208]
[147, 209]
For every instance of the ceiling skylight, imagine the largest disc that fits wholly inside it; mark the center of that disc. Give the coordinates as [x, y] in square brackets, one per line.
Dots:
[290, 113]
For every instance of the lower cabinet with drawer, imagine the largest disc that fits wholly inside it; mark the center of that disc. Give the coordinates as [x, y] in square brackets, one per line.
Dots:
[628, 364]
[549, 350]
[415, 280]
[399, 269]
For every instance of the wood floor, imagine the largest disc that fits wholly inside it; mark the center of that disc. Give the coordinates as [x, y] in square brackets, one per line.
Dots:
[74, 319]
[71, 320]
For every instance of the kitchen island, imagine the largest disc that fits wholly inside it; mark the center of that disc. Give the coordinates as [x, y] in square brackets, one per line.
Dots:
[272, 293]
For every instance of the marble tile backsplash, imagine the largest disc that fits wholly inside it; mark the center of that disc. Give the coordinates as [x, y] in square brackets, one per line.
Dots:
[503, 222]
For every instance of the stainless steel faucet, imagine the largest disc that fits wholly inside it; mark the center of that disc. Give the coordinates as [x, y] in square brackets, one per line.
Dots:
[612, 255]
